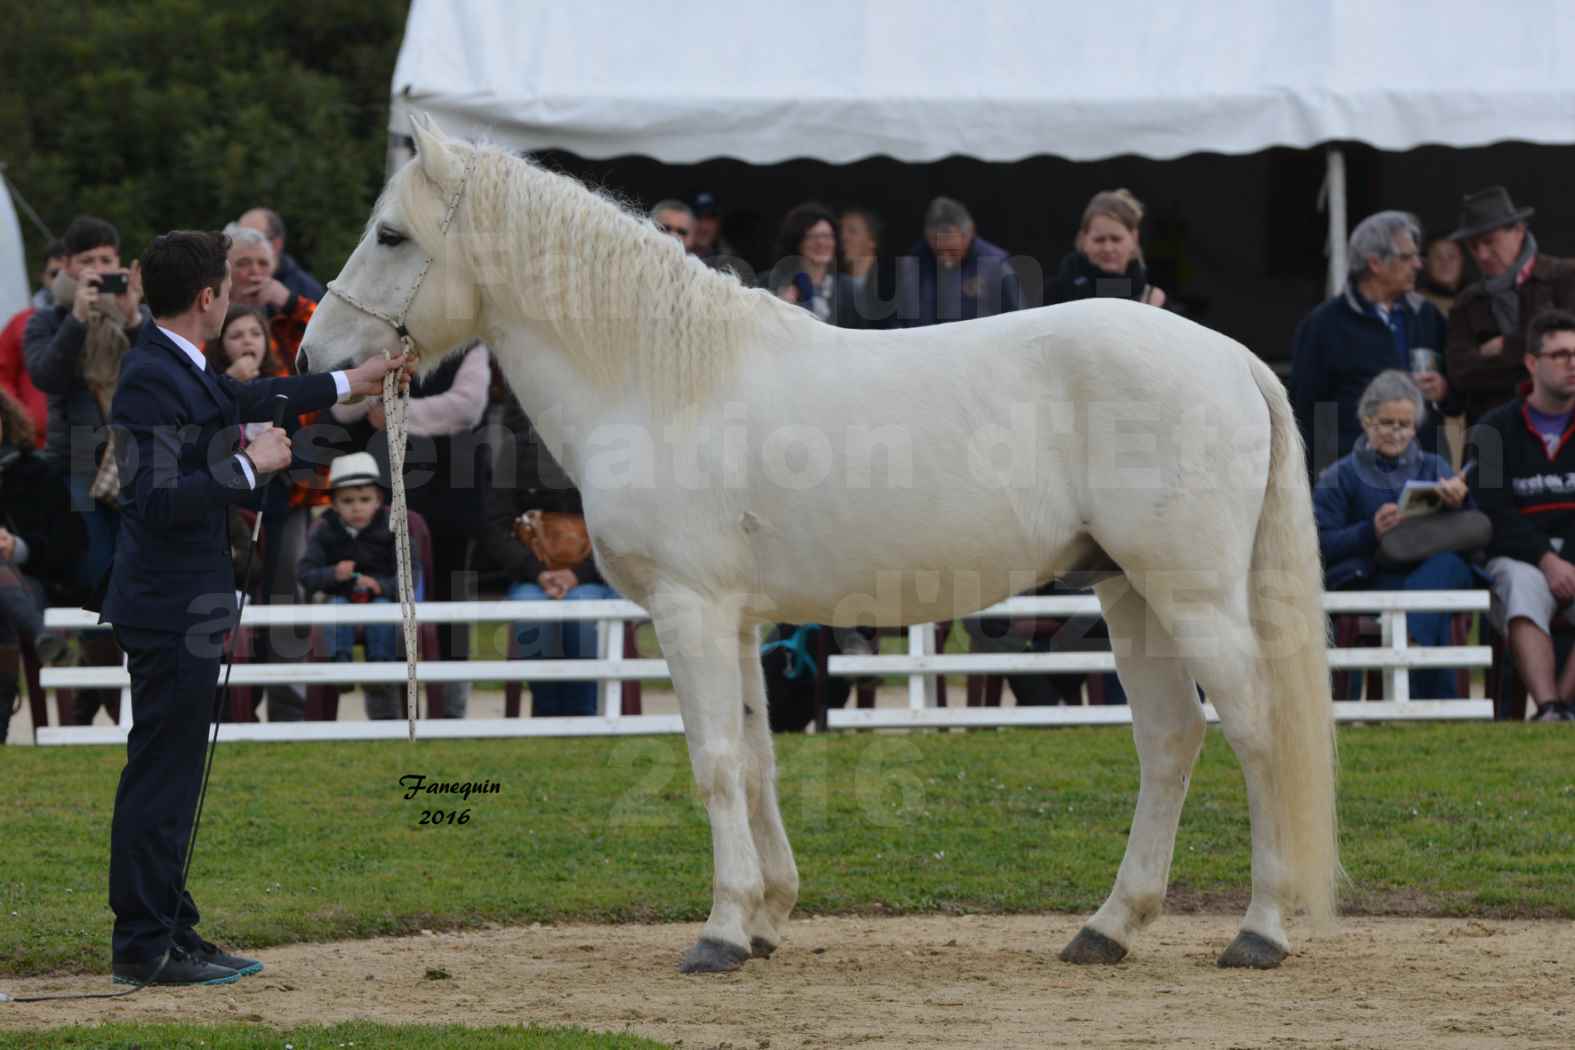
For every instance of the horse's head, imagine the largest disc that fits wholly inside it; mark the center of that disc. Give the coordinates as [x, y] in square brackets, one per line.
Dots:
[409, 273]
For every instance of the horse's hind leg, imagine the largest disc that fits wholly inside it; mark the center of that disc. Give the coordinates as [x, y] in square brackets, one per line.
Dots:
[701, 640]
[778, 871]
[1167, 725]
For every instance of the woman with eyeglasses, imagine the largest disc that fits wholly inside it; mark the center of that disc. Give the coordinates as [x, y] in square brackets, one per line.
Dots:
[809, 269]
[1357, 501]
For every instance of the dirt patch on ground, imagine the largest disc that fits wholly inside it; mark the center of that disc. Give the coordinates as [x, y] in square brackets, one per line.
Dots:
[933, 981]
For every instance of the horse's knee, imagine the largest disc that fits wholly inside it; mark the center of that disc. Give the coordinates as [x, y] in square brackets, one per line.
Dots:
[721, 772]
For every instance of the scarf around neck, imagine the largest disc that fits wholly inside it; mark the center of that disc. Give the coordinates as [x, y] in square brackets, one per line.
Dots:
[1503, 292]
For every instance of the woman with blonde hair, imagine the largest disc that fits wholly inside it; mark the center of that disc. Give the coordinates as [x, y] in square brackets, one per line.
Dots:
[1107, 257]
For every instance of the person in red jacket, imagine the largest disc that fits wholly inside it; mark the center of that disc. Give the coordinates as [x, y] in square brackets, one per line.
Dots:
[13, 364]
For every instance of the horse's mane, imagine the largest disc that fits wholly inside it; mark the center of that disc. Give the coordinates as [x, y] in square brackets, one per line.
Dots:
[627, 303]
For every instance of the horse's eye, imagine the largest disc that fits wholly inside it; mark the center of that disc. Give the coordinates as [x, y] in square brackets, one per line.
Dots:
[390, 238]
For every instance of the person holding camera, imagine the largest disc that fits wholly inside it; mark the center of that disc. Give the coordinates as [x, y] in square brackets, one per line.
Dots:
[350, 558]
[73, 352]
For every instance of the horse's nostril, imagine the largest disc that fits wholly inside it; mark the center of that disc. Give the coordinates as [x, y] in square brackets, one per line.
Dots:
[300, 362]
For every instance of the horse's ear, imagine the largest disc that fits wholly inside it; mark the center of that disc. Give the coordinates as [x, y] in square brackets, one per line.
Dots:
[432, 150]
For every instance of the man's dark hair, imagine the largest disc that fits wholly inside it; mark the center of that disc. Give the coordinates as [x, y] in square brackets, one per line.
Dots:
[56, 249]
[1545, 322]
[178, 265]
[86, 233]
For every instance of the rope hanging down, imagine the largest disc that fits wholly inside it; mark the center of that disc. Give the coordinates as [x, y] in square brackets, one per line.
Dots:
[396, 402]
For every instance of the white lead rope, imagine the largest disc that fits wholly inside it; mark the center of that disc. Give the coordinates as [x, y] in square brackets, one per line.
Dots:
[395, 403]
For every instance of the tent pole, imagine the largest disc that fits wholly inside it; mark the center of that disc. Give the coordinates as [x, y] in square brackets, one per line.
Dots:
[1334, 192]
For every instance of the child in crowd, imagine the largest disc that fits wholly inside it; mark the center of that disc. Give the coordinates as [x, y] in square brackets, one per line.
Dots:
[350, 558]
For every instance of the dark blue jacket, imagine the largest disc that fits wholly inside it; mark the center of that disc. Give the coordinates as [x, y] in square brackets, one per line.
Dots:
[298, 280]
[1340, 347]
[176, 428]
[1347, 496]
[982, 285]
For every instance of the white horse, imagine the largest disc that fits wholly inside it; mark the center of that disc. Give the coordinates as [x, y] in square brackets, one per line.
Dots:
[743, 463]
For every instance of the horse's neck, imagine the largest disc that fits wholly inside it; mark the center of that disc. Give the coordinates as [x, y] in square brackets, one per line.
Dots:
[563, 406]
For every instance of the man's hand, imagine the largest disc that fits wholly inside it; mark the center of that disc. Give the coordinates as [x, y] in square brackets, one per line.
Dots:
[87, 295]
[1388, 517]
[1434, 387]
[1493, 347]
[366, 378]
[267, 292]
[1453, 490]
[558, 582]
[377, 416]
[344, 570]
[1560, 575]
[7, 545]
[131, 299]
[270, 450]
[367, 583]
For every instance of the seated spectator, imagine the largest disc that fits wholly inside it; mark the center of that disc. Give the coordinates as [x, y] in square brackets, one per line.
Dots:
[1487, 341]
[870, 274]
[73, 352]
[13, 364]
[241, 345]
[1525, 488]
[1106, 260]
[953, 274]
[449, 453]
[1356, 501]
[708, 242]
[1370, 327]
[350, 557]
[253, 284]
[40, 542]
[542, 485]
[1443, 274]
[674, 218]
[288, 272]
[806, 270]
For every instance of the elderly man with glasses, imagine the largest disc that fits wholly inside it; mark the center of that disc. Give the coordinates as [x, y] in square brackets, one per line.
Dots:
[674, 218]
[1377, 322]
[1487, 324]
[1526, 485]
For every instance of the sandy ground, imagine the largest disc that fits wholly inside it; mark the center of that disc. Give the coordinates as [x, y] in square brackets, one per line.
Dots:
[936, 981]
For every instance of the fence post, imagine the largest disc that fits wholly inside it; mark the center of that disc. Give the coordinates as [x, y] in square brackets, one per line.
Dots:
[1392, 622]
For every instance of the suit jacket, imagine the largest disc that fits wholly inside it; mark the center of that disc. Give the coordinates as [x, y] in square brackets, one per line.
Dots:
[176, 429]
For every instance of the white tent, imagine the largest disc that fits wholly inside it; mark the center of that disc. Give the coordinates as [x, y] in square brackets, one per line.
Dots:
[999, 80]
[13, 261]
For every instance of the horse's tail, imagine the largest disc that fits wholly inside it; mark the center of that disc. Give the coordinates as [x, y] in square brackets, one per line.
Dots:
[1288, 621]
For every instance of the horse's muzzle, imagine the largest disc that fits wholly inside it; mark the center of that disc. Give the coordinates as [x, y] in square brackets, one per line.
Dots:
[300, 362]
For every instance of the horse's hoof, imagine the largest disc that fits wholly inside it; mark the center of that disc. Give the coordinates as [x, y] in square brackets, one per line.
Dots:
[1252, 951]
[712, 956]
[1092, 947]
[761, 948]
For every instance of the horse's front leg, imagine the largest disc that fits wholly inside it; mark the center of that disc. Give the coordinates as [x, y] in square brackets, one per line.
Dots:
[778, 870]
[700, 638]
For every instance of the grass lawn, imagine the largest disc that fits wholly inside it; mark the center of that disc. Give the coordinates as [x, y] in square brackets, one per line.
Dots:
[311, 842]
[316, 1037]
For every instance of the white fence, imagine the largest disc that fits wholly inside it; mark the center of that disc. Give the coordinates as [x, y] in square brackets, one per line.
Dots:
[921, 665]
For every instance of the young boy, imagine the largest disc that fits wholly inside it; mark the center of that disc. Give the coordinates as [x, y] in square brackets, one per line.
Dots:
[350, 558]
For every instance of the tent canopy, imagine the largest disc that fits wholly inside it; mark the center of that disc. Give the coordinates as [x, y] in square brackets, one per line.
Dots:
[917, 80]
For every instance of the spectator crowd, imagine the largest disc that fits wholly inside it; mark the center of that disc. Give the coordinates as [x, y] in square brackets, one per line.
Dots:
[1443, 366]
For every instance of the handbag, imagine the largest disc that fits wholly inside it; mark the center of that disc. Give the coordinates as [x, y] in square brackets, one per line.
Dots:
[558, 540]
[1417, 539]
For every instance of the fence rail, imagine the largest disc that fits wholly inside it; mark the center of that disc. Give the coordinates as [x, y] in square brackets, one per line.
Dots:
[921, 664]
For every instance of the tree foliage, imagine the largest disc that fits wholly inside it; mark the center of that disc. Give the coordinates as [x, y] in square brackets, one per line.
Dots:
[159, 114]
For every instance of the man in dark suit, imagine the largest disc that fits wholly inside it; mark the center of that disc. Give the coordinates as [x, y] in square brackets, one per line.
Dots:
[171, 595]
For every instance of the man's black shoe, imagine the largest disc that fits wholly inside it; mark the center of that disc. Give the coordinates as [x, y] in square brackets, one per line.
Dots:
[209, 952]
[182, 968]
[1554, 711]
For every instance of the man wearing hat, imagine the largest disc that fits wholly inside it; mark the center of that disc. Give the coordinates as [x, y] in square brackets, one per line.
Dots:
[1487, 327]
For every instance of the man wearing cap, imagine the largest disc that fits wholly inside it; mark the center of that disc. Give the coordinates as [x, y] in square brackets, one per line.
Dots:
[1487, 327]
[708, 242]
[171, 594]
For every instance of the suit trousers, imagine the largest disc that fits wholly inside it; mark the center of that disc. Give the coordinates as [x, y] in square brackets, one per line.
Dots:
[172, 695]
